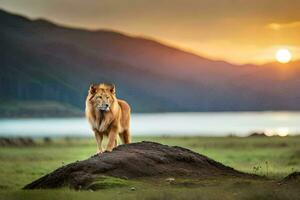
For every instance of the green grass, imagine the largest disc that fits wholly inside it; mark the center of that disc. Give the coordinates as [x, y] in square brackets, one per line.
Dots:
[274, 157]
[106, 182]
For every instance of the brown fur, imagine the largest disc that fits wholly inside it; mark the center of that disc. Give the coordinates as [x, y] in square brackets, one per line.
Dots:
[107, 115]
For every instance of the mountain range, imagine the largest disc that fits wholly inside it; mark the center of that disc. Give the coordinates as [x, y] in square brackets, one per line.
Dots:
[44, 64]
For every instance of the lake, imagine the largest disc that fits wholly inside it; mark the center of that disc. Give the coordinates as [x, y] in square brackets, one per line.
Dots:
[204, 124]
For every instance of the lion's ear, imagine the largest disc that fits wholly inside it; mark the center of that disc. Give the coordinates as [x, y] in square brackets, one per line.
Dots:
[92, 89]
[113, 89]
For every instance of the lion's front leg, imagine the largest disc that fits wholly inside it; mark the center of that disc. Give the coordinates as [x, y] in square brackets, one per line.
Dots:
[116, 142]
[99, 138]
[112, 137]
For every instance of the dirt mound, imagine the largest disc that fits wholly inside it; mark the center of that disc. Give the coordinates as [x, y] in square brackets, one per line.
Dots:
[143, 159]
[257, 134]
[291, 178]
[19, 141]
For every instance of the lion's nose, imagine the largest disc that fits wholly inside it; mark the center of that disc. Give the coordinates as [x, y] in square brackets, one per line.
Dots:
[106, 105]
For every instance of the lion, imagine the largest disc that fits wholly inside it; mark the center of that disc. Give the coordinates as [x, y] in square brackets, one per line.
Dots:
[107, 115]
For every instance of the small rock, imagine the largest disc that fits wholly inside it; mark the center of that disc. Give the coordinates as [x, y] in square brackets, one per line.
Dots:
[170, 180]
[132, 189]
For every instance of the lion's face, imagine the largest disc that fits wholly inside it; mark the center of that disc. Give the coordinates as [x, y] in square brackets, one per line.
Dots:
[103, 96]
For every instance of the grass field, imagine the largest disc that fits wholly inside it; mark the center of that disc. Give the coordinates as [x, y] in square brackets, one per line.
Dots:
[274, 157]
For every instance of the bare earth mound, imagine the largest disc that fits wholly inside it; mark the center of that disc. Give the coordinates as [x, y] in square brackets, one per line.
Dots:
[291, 178]
[143, 159]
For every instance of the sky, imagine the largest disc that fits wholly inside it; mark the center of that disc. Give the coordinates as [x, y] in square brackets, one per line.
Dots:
[238, 31]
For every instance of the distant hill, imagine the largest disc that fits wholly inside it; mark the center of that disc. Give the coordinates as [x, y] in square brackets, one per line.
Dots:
[43, 62]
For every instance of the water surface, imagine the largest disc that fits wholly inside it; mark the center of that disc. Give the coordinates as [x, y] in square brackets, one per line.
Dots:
[205, 124]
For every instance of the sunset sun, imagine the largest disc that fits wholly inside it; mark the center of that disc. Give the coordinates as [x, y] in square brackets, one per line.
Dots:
[283, 56]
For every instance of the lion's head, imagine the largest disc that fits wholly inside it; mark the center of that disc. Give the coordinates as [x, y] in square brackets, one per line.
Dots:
[102, 96]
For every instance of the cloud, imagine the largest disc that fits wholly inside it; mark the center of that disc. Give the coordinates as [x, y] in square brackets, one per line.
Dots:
[279, 26]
